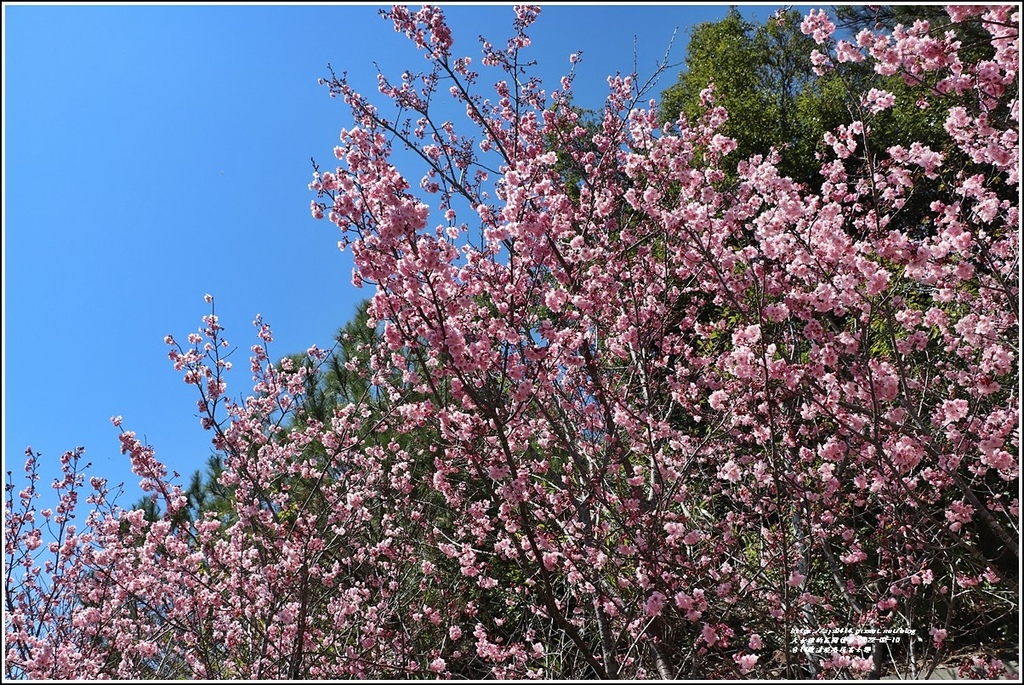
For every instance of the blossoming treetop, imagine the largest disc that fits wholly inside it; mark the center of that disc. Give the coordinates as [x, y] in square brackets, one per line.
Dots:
[656, 417]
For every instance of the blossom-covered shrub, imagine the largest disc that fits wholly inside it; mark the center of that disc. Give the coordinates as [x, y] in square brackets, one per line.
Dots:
[626, 417]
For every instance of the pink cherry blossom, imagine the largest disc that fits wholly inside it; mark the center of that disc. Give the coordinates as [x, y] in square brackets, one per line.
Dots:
[648, 415]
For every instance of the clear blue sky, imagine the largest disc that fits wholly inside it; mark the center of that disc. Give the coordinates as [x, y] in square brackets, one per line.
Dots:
[153, 154]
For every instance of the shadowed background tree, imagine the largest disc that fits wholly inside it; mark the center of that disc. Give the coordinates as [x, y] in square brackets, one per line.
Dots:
[762, 75]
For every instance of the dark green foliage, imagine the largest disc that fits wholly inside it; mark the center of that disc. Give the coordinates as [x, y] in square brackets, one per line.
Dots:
[763, 77]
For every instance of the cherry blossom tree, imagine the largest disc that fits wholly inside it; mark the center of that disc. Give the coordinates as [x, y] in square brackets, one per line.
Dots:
[631, 413]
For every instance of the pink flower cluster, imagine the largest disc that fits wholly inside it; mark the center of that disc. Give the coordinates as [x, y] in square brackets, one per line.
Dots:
[625, 418]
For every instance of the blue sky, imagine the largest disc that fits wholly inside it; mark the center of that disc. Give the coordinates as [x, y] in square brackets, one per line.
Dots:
[156, 153]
